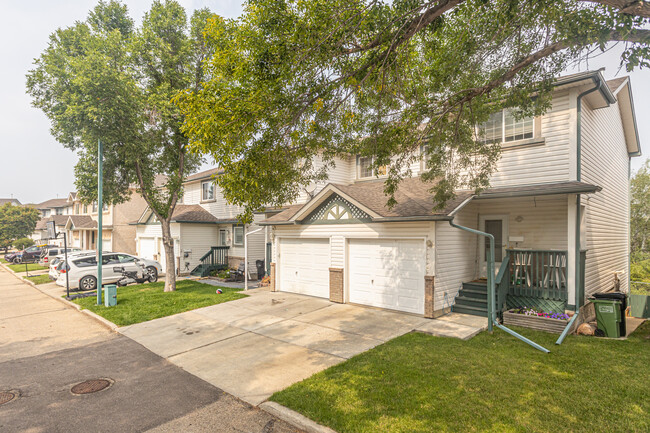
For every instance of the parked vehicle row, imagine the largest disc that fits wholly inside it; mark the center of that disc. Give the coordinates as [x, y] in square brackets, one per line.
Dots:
[82, 270]
[28, 255]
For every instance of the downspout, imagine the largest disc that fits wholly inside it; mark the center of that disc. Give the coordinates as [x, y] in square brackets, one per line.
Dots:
[492, 317]
[579, 290]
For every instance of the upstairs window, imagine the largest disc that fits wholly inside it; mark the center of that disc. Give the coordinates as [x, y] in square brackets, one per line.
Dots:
[207, 190]
[503, 127]
[365, 168]
[94, 206]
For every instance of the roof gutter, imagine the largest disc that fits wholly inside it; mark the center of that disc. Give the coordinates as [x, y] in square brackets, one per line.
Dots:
[578, 283]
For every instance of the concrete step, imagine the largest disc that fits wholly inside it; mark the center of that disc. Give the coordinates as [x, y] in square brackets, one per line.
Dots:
[474, 311]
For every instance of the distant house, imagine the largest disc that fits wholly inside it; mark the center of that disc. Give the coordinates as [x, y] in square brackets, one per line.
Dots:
[12, 201]
[205, 230]
[80, 222]
[558, 208]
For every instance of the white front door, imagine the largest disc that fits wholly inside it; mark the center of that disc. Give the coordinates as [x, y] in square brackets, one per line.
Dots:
[387, 273]
[304, 266]
[497, 226]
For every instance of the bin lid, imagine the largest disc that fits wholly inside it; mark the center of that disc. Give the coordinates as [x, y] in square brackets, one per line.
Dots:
[616, 296]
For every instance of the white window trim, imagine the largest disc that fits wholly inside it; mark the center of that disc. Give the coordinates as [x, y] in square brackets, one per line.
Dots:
[503, 141]
[203, 199]
[234, 235]
[372, 176]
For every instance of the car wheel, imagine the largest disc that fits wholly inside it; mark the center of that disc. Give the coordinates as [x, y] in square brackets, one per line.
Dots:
[153, 274]
[88, 283]
[17, 261]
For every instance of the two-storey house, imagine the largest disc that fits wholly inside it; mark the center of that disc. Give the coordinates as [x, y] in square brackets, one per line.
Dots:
[205, 229]
[558, 208]
[118, 234]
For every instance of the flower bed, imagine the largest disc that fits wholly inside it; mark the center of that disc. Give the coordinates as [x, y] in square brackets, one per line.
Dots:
[536, 319]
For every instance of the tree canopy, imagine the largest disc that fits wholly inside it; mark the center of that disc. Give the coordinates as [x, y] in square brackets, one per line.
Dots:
[293, 79]
[104, 79]
[640, 211]
[16, 222]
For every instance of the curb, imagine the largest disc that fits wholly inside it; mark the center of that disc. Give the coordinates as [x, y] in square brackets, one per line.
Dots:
[110, 325]
[294, 418]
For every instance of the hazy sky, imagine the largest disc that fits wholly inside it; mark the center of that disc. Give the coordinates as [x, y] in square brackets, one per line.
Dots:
[34, 167]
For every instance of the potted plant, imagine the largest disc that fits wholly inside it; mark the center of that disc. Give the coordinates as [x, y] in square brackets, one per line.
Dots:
[536, 319]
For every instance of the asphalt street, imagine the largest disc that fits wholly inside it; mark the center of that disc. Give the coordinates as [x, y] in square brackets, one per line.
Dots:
[47, 347]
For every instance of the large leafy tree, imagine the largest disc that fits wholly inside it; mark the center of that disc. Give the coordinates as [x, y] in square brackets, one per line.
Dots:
[640, 211]
[292, 79]
[16, 222]
[104, 79]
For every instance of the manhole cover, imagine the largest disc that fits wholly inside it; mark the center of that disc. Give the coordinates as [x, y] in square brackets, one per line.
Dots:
[90, 386]
[6, 396]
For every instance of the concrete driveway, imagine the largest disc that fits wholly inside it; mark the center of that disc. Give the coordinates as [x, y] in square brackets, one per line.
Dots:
[256, 346]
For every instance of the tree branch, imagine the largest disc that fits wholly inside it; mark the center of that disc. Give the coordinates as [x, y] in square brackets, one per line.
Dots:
[637, 8]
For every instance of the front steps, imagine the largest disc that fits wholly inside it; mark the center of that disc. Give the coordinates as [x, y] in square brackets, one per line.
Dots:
[472, 299]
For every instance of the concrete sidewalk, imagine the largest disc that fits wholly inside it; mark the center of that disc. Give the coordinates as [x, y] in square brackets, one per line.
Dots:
[47, 347]
[256, 346]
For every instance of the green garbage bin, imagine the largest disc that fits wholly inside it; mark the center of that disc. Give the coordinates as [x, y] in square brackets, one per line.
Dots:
[608, 315]
[110, 295]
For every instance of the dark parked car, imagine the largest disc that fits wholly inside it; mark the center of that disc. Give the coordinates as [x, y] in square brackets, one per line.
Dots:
[28, 255]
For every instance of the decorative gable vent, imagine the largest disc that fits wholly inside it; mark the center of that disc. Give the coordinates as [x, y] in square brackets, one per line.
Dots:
[336, 208]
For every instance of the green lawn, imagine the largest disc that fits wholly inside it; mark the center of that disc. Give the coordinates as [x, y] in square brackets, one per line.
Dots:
[30, 267]
[2, 260]
[491, 383]
[142, 302]
[39, 279]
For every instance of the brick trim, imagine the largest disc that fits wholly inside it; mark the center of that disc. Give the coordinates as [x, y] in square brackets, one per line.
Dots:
[429, 287]
[272, 276]
[336, 285]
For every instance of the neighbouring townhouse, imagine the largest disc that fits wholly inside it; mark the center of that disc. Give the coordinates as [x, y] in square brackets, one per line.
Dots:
[80, 221]
[207, 234]
[118, 234]
[11, 201]
[57, 210]
[558, 208]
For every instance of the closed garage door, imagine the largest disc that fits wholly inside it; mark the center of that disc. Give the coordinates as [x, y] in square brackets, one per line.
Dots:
[304, 266]
[387, 273]
[147, 248]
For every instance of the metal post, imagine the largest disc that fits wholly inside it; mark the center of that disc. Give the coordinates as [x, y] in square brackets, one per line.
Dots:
[100, 214]
[246, 255]
[65, 254]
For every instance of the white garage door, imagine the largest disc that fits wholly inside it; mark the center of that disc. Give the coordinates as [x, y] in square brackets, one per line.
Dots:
[147, 248]
[387, 273]
[304, 266]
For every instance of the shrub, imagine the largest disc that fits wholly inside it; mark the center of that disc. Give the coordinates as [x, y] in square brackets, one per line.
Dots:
[23, 243]
[225, 273]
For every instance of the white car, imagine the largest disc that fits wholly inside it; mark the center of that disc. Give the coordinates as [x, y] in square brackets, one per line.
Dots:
[56, 261]
[82, 270]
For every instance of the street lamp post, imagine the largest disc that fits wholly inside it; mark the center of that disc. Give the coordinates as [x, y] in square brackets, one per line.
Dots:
[100, 214]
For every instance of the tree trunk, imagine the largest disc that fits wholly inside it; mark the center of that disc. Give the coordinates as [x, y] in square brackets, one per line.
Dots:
[168, 244]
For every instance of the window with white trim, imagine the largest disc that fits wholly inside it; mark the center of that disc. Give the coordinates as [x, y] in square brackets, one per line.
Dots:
[365, 168]
[503, 127]
[207, 190]
[238, 235]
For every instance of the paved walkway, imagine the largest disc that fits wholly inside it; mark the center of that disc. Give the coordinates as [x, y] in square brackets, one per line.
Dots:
[47, 347]
[256, 346]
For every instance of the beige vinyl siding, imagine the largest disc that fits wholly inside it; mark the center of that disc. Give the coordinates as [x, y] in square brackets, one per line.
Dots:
[154, 231]
[543, 222]
[218, 207]
[456, 256]
[337, 245]
[545, 163]
[344, 172]
[197, 238]
[605, 163]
